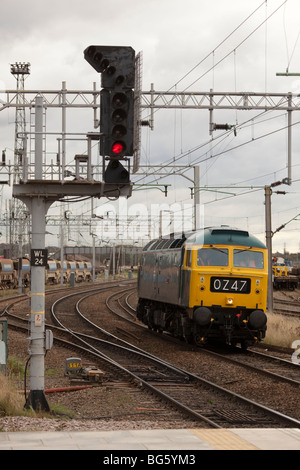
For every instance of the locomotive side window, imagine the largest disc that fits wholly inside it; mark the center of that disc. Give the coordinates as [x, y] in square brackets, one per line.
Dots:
[248, 259]
[188, 258]
[212, 257]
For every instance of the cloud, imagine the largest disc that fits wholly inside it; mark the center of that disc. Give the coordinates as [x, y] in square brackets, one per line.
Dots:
[175, 37]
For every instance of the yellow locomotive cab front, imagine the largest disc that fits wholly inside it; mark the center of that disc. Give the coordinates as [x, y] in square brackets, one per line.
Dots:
[227, 282]
[225, 279]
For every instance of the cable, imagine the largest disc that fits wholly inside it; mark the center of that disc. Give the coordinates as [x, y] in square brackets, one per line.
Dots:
[223, 136]
[25, 378]
[286, 42]
[75, 199]
[234, 50]
[293, 50]
[242, 42]
[217, 47]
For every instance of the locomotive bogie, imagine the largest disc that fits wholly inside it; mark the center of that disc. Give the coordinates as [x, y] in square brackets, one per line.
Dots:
[213, 290]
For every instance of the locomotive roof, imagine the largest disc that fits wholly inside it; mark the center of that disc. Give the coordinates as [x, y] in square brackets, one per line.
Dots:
[223, 235]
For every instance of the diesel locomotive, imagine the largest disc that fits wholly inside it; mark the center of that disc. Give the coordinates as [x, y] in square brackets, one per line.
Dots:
[206, 285]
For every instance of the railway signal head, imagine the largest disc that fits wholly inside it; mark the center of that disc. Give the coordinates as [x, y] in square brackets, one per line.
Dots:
[115, 63]
[121, 120]
[117, 67]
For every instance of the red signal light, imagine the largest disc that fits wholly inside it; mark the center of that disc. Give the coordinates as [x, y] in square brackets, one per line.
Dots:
[118, 148]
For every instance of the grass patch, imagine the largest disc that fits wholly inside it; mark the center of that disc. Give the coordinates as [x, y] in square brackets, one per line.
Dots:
[50, 372]
[58, 410]
[11, 401]
[15, 367]
[8, 293]
[282, 330]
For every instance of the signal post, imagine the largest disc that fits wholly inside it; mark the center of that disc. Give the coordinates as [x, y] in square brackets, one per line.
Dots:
[116, 141]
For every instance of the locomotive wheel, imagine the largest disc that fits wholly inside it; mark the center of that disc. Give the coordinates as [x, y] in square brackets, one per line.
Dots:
[245, 344]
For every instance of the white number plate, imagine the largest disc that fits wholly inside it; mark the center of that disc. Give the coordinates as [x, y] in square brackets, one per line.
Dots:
[223, 284]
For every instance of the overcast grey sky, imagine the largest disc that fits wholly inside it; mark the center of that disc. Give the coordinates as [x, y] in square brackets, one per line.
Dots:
[175, 36]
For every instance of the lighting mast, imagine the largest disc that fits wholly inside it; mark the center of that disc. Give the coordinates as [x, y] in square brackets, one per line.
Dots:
[20, 70]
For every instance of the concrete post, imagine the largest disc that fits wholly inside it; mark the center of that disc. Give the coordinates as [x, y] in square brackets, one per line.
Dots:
[38, 206]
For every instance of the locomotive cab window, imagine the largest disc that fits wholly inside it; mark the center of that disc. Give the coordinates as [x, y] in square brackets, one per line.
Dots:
[212, 257]
[248, 259]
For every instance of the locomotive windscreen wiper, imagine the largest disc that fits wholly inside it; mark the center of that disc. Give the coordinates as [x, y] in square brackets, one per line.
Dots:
[219, 249]
[241, 251]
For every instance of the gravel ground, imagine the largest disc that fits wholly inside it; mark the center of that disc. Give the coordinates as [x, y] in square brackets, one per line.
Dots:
[112, 406]
[122, 406]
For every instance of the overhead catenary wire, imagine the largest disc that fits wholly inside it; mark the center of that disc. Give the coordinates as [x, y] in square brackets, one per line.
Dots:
[220, 138]
[218, 46]
[203, 157]
[250, 189]
[289, 57]
[221, 60]
[238, 45]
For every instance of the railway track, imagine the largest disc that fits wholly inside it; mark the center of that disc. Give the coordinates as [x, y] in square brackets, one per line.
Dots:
[192, 395]
[281, 369]
[287, 307]
[198, 398]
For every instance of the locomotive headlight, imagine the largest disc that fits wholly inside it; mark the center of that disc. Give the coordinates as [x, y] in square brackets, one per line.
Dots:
[229, 300]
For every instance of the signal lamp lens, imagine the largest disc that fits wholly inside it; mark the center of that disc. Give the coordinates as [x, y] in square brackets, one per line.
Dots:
[119, 115]
[118, 148]
[120, 79]
[111, 70]
[104, 62]
[118, 131]
[119, 100]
